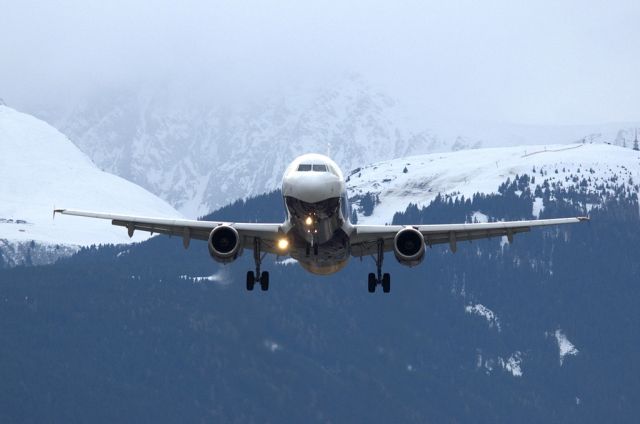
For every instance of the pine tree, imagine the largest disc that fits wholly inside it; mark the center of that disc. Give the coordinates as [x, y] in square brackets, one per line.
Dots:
[635, 142]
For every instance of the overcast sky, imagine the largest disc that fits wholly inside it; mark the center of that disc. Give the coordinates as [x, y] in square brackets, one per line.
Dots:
[541, 62]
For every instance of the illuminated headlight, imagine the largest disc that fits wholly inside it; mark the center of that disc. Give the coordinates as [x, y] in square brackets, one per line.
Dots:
[308, 221]
[283, 244]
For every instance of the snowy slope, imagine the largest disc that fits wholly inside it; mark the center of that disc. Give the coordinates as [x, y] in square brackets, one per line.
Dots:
[40, 168]
[199, 156]
[483, 170]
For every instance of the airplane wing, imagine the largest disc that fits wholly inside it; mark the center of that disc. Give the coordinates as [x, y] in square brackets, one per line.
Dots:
[365, 238]
[188, 229]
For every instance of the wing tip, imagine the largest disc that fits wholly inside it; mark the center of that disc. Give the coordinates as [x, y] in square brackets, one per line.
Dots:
[583, 218]
[56, 210]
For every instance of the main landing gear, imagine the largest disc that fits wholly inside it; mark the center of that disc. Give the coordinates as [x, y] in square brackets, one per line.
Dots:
[383, 279]
[257, 277]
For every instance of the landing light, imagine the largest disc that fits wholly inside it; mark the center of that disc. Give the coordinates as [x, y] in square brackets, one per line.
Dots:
[283, 244]
[308, 221]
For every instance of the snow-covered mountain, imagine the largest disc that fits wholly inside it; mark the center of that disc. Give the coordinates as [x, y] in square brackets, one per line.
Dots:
[40, 168]
[381, 189]
[198, 156]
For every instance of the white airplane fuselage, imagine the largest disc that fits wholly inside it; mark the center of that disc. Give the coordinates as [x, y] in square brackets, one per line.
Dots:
[315, 197]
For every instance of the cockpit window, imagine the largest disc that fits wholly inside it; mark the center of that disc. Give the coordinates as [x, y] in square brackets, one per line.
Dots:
[314, 167]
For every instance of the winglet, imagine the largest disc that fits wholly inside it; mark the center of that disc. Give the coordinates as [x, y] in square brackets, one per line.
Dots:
[584, 218]
[55, 211]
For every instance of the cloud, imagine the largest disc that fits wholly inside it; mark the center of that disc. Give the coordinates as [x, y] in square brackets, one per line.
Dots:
[551, 62]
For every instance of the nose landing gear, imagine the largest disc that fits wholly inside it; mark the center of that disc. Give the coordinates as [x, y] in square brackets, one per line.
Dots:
[257, 277]
[383, 279]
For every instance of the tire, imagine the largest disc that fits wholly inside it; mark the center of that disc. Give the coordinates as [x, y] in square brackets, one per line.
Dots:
[251, 280]
[372, 283]
[264, 281]
[386, 283]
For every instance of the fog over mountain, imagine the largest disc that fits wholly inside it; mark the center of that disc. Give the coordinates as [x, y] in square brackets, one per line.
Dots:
[543, 62]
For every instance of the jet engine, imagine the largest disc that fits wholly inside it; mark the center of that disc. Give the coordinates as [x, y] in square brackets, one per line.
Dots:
[224, 244]
[408, 246]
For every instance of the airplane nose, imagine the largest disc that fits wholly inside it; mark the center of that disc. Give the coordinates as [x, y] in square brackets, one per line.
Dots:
[312, 187]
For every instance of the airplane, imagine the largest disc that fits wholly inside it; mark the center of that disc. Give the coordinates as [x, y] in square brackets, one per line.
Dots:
[317, 231]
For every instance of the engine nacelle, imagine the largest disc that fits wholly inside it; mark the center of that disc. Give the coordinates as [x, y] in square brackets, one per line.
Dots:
[224, 244]
[408, 246]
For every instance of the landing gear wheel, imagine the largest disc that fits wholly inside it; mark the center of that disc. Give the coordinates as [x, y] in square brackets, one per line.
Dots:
[372, 283]
[264, 281]
[386, 283]
[251, 280]
[257, 276]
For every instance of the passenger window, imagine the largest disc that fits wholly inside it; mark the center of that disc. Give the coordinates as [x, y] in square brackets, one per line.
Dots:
[304, 167]
[320, 168]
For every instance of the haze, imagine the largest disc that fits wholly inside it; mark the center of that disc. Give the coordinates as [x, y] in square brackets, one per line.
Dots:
[542, 62]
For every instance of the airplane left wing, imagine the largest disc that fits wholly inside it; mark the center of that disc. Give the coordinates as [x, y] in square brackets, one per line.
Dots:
[188, 229]
[365, 238]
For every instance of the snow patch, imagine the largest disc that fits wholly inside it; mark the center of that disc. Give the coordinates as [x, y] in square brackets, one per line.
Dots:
[272, 346]
[538, 207]
[484, 312]
[479, 217]
[565, 347]
[512, 364]
[122, 253]
[287, 262]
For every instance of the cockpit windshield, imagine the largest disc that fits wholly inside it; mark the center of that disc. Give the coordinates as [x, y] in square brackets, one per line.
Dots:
[315, 167]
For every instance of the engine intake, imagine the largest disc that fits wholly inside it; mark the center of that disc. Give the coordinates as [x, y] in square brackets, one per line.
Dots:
[408, 246]
[224, 244]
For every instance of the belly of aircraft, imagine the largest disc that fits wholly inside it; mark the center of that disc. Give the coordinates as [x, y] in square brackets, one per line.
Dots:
[324, 258]
[322, 268]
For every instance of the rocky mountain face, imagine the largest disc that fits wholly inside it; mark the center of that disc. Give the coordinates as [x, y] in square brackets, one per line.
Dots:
[198, 155]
